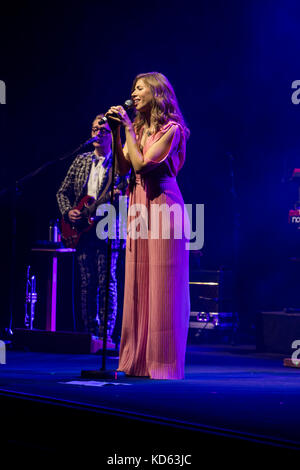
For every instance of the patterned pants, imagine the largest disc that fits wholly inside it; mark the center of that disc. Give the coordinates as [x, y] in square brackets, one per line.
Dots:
[92, 261]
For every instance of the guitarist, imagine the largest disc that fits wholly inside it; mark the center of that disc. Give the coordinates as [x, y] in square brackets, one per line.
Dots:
[89, 174]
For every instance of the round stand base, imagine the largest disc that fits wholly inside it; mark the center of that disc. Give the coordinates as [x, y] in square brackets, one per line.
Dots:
[102, 374]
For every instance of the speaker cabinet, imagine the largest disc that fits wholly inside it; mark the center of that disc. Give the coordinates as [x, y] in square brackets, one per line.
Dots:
[276, 331]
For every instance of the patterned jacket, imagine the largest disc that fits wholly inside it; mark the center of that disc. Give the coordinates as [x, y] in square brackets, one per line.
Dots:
[74, 186]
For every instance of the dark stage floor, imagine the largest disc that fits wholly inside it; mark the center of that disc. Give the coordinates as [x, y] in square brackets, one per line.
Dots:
[231, 399]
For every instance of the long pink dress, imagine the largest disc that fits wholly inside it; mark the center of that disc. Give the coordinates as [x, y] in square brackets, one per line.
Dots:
[156, 298]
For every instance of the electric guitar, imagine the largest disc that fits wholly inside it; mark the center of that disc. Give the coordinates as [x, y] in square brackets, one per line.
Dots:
[71, 232]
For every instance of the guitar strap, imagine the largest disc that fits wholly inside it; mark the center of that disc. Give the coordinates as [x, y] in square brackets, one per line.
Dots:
[108, 183]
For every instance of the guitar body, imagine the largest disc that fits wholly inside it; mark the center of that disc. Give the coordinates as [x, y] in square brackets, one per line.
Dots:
[70, 232]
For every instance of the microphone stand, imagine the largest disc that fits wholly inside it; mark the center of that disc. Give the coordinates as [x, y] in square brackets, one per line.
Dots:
[7, 331]
[103, 373]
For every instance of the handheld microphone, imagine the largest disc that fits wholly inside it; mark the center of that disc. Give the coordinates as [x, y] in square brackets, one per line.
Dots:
[127, 105]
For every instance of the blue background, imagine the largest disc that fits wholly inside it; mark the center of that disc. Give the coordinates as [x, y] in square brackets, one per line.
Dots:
[232, 64]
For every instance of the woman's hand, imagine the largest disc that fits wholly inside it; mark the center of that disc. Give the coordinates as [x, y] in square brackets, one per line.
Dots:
[119, 116]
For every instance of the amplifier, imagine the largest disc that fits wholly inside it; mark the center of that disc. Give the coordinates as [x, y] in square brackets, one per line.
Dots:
[276, 331]
[211, 291]
[211, 294]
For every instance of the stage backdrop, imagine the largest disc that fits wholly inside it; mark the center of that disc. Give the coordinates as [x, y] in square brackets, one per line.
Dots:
[232, 65]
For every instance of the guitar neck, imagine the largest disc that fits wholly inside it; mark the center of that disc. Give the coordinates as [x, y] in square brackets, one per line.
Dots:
[102, 199]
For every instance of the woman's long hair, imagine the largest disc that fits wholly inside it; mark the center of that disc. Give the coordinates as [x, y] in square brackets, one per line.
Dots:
[164, 105]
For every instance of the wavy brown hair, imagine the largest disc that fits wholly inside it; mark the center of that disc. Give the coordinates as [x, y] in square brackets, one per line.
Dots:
[164, 104]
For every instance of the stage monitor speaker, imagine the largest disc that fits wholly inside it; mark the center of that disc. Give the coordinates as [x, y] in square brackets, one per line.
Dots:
[66, 342]
[276, 331]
